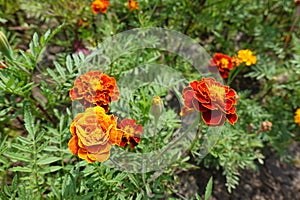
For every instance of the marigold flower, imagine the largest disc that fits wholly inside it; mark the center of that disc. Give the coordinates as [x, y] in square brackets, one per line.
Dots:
[132, 131]
[297, 116]
[95, 87]
[133, 5]
[222, 63]
[246, 56]
[100, 6]
[215, 101]
[91, 133]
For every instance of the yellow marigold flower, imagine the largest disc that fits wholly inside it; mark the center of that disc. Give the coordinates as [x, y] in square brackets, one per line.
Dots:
[133, 5]
[297, 116]
[246, 56]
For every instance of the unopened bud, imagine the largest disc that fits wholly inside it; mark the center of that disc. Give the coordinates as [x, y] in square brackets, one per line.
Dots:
[157, 107]
[4, 46]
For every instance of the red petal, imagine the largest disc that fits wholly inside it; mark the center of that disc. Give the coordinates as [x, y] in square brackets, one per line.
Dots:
[232, 118]
[213, 118]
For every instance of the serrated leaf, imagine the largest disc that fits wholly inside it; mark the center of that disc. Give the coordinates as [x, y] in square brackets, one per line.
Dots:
[22, 147]
[17, 156]
[35, 39]
[69, 64]
[24, 140]
[20, 169]
[50, 169]
[208, 189]
[60, 70]
[10, 82]
[29, 121]
[53, 75]
[47, 160]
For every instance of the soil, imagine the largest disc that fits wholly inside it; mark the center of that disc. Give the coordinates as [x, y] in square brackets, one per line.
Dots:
[274, 180]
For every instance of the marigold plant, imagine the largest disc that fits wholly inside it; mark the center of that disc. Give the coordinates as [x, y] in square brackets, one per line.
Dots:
[222, 63]
[91, 133]
[100, 6]
[133, 5]
[246, 56]
[215, 101]
[132, 135]
[95, 88]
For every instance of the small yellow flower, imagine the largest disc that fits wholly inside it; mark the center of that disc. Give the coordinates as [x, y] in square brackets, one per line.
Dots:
[297, 116]
[246, 56]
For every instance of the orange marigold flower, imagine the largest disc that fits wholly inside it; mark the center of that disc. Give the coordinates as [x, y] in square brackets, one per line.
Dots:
[132, 131]
[221, 63]
[100, 6]
[91, 133]
[214, 100]
[246, 56]
[95, 87]
[297, 116]
[133, 5]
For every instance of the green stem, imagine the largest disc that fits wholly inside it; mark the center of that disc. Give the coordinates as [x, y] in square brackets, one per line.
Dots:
[196, 137]
[234, 74]
[154, 136]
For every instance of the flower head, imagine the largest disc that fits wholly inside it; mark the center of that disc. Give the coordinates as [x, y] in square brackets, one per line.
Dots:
[91, 133]
[132, 131]
[95, 88]
[246, 56]
[133, 5]
[297, 116]
[215, 101]
[222, 63]
[100, 6]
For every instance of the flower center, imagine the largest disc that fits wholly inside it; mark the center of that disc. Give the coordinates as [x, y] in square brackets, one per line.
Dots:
[224, 63]
[217, 93]
[129, 130]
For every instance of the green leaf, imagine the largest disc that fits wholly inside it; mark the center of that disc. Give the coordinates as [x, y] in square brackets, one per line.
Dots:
[17, 156]
[47, 160]
[198, 197]
[50, 169]
[22, 147]
[208, 189]
[59, 69]
[69, 64]
[133, 180]
[20, 169]
[29, 121]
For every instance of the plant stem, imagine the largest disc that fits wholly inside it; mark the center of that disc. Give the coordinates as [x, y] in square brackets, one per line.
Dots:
[154, 136]
[196, 137]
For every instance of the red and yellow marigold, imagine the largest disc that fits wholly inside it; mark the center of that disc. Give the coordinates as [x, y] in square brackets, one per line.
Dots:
[132, 134]
[91, 132]
[214, 100]
[95, 88]
[222, 63]
[100, 6]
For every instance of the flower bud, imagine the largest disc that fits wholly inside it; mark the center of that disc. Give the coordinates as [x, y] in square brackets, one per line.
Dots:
[157, 107]
[4, 46]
